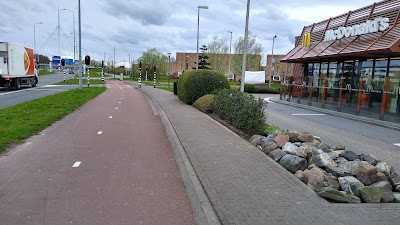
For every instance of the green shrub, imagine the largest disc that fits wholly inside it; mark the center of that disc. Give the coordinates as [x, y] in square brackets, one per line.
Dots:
[242, 110]
[194, 84]
[205, 103]
[265, 89]
[249, 88]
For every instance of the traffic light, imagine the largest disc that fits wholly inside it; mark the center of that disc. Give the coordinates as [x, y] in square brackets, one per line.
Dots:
[87, 60]
[102, 63]
[62, 62]
[147, 67]
[154, 68]
[140, 65]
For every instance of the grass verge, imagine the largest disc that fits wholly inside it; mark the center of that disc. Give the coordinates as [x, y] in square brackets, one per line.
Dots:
[170, 89]
[21, 121]
[76, 81]
[44, 72]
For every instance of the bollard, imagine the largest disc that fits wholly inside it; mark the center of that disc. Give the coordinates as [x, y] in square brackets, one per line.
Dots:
[121, 76]
[146, 73]
[64, 75]
[87, 72]
[102, 75]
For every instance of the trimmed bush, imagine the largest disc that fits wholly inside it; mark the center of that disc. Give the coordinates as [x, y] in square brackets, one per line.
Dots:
[249, 88]
[205, 103]
[242, 110]
[194, 84]
[265, 89]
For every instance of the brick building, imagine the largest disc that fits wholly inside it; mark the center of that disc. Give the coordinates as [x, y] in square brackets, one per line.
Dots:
[280, 71]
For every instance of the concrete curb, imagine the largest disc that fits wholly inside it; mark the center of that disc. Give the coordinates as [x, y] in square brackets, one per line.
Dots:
[203, 210]
[363, 119]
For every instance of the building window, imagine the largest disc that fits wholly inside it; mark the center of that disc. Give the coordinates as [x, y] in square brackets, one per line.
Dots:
[276, 78]
[273, 60]
[187, 58]
[272, 69]
[289, 69]
[187, 66]
[277, 69]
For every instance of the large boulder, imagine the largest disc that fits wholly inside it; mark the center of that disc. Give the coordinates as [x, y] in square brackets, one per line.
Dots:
[394, 179]
[371, 194]
[317, 179]
[256, 139]
[322, 159]
[324, 147]
[341, 160]
[351, 185]
[382, 177]
[386, 189]
[367, 174]
[396, 197]
[276, 154]
[351, 156]
[300, 175]
[351, 166]
[335, 154]
[266, 140]
[338, 196]
[267, 148]
[290, 148]
[293, 163]
[370, 159]
[338, 171]
[281, 140]
[296, 136]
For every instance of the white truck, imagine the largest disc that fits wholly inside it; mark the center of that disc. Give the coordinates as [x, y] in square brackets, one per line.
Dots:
[17, 66]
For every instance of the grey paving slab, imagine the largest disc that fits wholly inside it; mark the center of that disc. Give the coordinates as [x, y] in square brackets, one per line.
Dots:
[246, 187]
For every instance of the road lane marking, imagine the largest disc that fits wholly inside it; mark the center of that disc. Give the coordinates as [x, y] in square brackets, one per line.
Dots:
[116, 107]
[110, 117]
[397, 144]
[119, 102]
[76, 164]
[100, 132]
[307, 114]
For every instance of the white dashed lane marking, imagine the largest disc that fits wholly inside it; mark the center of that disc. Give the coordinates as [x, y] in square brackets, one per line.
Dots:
[76, 164]
[397, 144]
[110, 117]
[116, 107]
[100, 132]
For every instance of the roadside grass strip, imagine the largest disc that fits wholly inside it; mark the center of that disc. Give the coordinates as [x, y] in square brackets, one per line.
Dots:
[170, 89]
[76, 81]
[45, 72]
[26, 119]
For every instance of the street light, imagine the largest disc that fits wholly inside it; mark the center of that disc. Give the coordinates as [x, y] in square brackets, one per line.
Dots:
[169, 66]
[80, 45]
[270, 70]
[246, 34]
[230, 51]
[73, 19]
[198, 24]
[34, 39]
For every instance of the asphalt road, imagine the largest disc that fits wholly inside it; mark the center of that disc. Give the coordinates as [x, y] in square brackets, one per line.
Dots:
[44, 88]
[356, 136]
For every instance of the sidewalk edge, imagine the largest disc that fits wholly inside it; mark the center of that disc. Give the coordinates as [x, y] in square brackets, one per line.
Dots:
[203, 210]
[381, 123]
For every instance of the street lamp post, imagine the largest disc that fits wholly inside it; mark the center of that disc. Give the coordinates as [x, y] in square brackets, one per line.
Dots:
[230, 52]
[246, 34]
[73, 20]
[169, 66]
[34, 39]
[198, 24]
[270, 70]
[80, 46]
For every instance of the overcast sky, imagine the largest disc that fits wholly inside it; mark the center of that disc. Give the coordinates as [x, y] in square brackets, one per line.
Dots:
[134, 26]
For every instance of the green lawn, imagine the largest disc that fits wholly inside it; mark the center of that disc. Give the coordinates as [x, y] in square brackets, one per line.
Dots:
[21, 121]
[76, 81]
[45, 72]
[170, 89]
[96, 72]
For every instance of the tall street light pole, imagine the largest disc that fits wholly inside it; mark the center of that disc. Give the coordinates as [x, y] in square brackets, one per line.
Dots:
[169, 66]
[114, 61]
[230, 52]
[34, 39]
[246, 34]
[80, 46]
[272, 63]
[73, 21]
[198, 24]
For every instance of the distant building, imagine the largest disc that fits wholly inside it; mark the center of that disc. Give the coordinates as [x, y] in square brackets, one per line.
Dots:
[279, 72]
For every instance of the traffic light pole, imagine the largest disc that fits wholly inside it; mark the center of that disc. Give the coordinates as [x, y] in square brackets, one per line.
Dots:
[146, 74]
[140, 74]
[87, 72]
[155, 77]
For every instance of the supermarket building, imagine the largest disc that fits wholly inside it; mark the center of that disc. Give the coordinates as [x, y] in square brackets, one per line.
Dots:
[350, 63]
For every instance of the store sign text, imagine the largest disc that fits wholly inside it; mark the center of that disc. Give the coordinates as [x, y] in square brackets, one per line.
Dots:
[371, 26]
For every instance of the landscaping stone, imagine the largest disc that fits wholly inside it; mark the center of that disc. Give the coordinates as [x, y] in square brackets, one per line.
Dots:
[289, 148]
[311, 144]
[340, 147]
[383, 167]
[371, 194]
[315, 142]
[324, 147]
[269, 147]
[278, 132]
[281, 140]
[351, 166]
[322, 159]
[276, 154]
[298, 144]
[394, 179]
[293, 163]
[334, 154]
[305, 137]
[370, 159]
[396, 197]
[266, 140]
[304, 151]
[338, 196]
[382, 177]
[338, 171]
[294, 136]
[349, 155]
[300, 175]
[317, 138]
[256, 139]
[367, 174]
[386, 188]
[341, 160]
[317, 179]
[351, 185]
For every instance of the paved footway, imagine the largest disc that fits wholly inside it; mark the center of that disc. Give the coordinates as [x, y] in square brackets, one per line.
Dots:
[110, 162]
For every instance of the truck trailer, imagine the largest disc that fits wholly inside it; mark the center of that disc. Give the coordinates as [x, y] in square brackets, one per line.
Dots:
[17, 66]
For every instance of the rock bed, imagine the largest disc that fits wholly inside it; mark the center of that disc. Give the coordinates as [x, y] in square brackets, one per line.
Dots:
[335, 173]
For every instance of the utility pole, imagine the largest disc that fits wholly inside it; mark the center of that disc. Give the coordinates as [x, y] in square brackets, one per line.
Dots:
[80, 47]
[114, 61]
[230, 52]
[246, 35]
